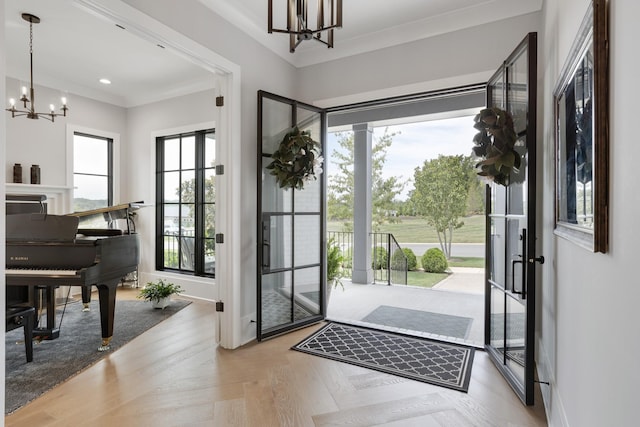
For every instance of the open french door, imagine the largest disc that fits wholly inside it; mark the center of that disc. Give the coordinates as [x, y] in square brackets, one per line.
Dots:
[511, 229]
[291, 225]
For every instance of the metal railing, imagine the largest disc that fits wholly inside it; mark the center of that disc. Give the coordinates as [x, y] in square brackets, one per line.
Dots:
[179, 252]
[388, 260]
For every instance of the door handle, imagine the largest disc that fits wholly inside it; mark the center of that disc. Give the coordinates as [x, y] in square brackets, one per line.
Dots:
[523, 290]
[513, 274]
[266, 244]
[539, 259]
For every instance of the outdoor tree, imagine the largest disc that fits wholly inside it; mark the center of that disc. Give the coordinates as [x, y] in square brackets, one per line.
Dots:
[440, 194]
[341, 183]
[187, 189]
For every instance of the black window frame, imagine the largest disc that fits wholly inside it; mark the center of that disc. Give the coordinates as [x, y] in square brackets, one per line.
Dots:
[200, 240]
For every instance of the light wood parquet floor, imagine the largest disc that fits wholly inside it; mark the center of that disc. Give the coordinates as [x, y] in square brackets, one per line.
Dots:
[175, 375]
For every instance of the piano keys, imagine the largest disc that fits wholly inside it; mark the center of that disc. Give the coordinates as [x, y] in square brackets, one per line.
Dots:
[45, 252]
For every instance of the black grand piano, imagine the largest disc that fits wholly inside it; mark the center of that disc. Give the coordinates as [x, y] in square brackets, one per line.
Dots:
[46, 251]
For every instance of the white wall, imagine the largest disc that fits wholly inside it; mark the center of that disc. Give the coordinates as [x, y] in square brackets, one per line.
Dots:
[589, 343]
[462, 57]
[260, 69]
[182, 114]
[43, 143]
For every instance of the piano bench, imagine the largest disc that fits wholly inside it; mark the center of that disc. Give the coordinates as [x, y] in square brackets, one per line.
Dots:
[22, 316]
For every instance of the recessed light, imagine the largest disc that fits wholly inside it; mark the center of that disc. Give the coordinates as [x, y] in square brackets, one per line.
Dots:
[105, 81]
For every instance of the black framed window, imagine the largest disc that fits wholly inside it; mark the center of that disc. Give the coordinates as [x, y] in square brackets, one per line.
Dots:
[92, 172]
[185, 203]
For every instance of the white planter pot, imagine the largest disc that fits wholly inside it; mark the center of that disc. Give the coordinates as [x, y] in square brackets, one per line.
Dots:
[161, 303]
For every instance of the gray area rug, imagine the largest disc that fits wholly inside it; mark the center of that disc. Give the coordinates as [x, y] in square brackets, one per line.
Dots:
[57, 360]
[423, 321]
[420, 359]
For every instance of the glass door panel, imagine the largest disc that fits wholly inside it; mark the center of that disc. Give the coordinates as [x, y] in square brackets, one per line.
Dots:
[510, 303]
[498, 245]
[277, 247]
[307, 240]
[276, 306]
[291, 226]
[274, 198]
[307, 294]
[497, 320]
[514, 344]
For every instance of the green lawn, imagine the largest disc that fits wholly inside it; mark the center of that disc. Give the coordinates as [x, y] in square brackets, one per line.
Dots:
[416, 230]
[424, 280]
[428, 280]
[466, 262]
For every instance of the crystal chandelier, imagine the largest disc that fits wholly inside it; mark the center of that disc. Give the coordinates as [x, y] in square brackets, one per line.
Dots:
[28, 99]
[328, 14]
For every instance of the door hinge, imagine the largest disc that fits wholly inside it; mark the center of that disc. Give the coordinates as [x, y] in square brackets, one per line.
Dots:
[219, 238]
[220, 101]
[219, 306]
[219, 169]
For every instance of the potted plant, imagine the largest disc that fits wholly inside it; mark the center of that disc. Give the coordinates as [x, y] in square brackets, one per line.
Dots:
[334, 264]
[159, 293]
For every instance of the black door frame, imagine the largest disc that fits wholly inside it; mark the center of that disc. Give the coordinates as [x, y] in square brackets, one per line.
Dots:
[294, 324]
[524, 391]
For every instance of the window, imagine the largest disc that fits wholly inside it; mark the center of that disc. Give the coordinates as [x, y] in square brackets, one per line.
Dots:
[185, 207]
[92, 172]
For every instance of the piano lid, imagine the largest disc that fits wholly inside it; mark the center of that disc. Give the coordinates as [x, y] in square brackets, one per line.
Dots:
[109, 212]
[36, 227]
[96, 218]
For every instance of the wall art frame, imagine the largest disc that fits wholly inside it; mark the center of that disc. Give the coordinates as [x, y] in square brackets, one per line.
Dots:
[581, 110]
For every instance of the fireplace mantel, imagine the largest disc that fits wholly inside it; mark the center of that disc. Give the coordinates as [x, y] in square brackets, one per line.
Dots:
[59, 198]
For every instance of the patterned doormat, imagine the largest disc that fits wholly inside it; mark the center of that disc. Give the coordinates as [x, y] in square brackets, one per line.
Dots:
[420, 359]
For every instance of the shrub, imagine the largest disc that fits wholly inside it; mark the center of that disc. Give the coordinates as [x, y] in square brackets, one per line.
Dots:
[397, 260]
[434, 261]
[412, 262]
[379, 258]
[334, 263]
[347, 258]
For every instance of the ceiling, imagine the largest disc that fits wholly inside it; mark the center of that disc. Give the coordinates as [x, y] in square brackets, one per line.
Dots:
[73, 48]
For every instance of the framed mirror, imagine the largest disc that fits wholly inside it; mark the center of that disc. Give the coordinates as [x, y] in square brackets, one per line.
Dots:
[581, 100]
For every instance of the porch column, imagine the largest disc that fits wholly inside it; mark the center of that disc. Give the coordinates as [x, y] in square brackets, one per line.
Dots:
[362, 147]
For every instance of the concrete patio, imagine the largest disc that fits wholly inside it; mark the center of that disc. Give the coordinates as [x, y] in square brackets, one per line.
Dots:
[460, 294]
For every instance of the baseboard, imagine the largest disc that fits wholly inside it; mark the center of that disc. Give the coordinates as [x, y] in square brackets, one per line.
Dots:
[249, 330]
[553, 407]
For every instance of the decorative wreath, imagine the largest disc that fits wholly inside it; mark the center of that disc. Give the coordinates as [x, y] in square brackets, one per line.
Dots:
[494, 145]
[297, 159]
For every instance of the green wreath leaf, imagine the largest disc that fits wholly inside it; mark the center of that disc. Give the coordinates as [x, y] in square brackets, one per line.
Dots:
[494, 145]
[296, 160]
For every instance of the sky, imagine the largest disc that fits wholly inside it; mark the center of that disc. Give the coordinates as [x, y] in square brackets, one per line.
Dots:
[416, 142]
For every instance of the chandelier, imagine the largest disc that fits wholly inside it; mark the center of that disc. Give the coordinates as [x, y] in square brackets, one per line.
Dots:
[29, 110]
[329, 16]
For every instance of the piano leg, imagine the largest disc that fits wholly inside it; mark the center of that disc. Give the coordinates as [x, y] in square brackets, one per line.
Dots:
[86, 297]
[107, 295]
[48, 300]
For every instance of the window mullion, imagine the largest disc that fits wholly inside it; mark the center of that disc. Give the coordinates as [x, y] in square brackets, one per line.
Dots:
[199, 205]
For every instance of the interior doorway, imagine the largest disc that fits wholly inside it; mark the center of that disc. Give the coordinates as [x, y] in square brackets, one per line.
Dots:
[409, 136]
